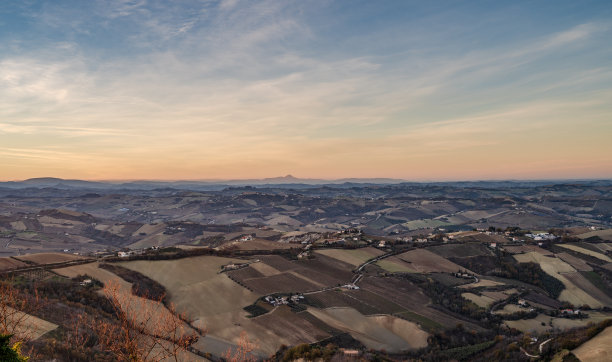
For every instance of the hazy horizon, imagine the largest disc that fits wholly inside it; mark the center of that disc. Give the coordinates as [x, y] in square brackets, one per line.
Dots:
[315, 179]
[194, 90]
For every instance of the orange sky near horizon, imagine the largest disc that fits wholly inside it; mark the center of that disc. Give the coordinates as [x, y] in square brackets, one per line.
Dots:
[420, 91]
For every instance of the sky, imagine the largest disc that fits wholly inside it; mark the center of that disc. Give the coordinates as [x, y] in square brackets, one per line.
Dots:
[416, 90]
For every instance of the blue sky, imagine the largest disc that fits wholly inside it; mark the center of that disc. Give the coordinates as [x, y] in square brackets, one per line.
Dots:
[240, 89]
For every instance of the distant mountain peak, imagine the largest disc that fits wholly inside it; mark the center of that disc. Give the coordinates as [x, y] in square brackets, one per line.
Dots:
[42, 180]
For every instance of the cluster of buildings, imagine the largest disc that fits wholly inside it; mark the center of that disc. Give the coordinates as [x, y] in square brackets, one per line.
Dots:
[276, 301]
[541, 236]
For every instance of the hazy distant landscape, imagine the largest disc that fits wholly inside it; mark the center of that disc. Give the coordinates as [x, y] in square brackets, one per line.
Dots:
[330, 269]
[286, 180]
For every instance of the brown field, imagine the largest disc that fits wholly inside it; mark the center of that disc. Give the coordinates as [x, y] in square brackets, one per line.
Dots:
[519, 249]
[195, 285]
[329, 266]
[281, 283]
[10, 263]
[604, 247]
[378, 302]
[450, 280]
[278, 262]
[559, 269]
[531, 325]
[597, 349]
[577, 263]
[594, 317]
[461, 250]
[535, 324]
[354, 257]
[319, 276]
[93, 271]
[378, 332]
[393, 264]
[264, 269]
[333, 298]
[245, 273]
[397, 290]
[261, 244]
[480, 300]
[213, 300]
[584, 284]
[412, 298]
[322, 270]
[367, 303]
[481, 283]
[509, 309]
[542, 301]
[496, 295]
[49, 258]
[603, 234]
[295, 329]
[297, 276]
[586, 252]
[424, 261]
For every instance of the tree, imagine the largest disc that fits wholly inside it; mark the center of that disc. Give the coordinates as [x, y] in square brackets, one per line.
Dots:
[145, 330]
[243, 352]
[15, 310]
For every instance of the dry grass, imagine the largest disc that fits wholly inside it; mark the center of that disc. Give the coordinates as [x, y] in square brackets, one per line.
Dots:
[597, 349]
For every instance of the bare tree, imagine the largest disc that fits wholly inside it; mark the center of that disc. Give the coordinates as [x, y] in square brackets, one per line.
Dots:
[16, 308]
[243, 352]
[145, 330]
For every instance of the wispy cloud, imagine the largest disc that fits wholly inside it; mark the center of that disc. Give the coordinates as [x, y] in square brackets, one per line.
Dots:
[223, 82]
